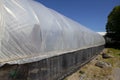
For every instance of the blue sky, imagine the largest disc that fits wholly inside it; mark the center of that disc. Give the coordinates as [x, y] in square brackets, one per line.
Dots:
[90, 13]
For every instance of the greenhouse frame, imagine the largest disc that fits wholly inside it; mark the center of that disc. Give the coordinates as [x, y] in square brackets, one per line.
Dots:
[38, 43]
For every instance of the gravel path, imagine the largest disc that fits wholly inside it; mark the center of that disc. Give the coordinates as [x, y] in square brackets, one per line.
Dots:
[116, 73]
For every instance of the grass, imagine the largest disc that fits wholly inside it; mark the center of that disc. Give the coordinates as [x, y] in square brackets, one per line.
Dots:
[116, 57]
[94, 72]
[65, 79]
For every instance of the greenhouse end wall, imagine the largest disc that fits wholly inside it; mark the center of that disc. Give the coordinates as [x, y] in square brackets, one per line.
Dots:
[53, 68]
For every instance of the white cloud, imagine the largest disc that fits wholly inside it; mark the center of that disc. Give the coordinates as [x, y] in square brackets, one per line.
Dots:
[101, 33]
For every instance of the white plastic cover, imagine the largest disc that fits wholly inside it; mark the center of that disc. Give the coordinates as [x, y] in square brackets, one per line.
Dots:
[29, 32]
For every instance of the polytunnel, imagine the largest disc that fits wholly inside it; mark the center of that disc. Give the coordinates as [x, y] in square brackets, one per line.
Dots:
[31, 32]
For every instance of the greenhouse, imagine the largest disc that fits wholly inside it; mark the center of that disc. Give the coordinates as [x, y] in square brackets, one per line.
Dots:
[34, 36]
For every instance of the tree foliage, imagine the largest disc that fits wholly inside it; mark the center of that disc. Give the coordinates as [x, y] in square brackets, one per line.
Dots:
[113, 24]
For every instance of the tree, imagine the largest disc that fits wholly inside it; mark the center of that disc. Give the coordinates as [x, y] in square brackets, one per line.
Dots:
[113, 24]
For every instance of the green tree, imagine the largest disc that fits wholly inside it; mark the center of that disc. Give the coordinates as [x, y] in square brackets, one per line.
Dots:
[113, 24]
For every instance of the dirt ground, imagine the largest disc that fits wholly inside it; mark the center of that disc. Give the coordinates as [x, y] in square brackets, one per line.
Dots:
[92, 72]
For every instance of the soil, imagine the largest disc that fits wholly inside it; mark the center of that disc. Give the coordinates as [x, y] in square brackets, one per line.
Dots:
[92, 72]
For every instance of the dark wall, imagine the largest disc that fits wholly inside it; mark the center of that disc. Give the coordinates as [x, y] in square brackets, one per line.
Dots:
[54, 68]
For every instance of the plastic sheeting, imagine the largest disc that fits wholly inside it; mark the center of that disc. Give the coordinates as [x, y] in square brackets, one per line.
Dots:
[30, 32]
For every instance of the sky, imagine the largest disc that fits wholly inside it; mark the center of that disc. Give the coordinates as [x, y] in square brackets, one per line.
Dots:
[90, 13]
